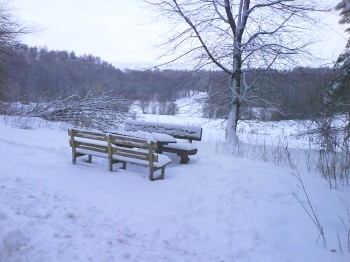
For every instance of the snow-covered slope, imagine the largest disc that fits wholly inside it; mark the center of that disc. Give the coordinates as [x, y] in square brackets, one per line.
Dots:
[216, 208]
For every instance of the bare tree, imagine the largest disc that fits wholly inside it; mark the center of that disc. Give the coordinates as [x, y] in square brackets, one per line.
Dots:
[10, 27]
[10, 30]
[235, 36]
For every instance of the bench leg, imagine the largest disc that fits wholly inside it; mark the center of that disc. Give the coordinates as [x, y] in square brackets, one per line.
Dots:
[151, 178]
[161, 177]
[89, 159]
[74, 157]
[124, 165]
[163, 171]
[184, 159]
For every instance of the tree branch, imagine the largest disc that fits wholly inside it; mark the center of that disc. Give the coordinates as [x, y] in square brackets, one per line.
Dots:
[189, 22]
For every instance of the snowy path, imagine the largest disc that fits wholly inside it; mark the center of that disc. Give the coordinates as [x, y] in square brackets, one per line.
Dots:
[214, 209]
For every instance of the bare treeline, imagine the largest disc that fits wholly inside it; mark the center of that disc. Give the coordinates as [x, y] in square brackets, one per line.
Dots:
[277, 95]
[40, 75]
[34, 74]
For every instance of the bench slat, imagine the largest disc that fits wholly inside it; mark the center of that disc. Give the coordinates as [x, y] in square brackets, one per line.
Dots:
[133, 152]
[130, 151]
[81, 132]
[87, 134]
[129, 138]
[83, 152]
[99, 138]
[131, 141]
[91, 148]
[141, 157]
[80, 144]
[129, 144]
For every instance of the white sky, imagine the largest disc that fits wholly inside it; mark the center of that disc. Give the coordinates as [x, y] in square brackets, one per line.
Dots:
[120, 31]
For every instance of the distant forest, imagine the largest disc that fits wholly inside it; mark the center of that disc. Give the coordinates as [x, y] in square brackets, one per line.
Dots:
[32, 74]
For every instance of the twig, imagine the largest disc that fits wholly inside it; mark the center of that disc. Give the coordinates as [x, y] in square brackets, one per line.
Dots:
[339, 244]
[310, 210]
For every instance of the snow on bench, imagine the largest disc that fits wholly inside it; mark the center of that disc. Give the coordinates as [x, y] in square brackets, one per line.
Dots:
[191, 133]
[155, 137]
[117, 148]
[182, 148]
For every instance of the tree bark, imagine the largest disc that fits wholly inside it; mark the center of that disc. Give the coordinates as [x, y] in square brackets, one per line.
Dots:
[233, 117]
[231, 126]
[235, 87]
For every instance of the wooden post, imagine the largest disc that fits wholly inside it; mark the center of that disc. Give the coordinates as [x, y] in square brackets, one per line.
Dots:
[71, 133]
[110, 152]
[163, 173]
[150, 150]
[159, 148]
[184, 159]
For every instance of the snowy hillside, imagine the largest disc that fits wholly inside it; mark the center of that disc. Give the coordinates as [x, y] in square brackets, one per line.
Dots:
[216, 208]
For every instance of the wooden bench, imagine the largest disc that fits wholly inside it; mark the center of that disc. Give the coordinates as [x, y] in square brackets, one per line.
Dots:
[118, 149]
[182, 148]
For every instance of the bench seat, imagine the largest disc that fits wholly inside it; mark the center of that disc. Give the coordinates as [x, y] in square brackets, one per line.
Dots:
[182, 149]
[182, 146]
[162, 161]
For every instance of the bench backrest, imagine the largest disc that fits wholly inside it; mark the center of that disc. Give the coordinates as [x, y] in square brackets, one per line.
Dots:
[132, 147]
[177, 131]
[86, 140]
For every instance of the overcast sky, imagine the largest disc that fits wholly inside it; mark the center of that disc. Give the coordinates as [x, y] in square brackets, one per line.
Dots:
[120, 31]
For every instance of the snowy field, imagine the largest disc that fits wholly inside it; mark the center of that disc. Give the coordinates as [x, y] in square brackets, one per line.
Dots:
[216, 208]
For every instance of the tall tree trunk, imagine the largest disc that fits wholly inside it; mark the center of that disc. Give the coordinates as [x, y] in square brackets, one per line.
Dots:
[235, 87]
[232, 121]
[231, 127]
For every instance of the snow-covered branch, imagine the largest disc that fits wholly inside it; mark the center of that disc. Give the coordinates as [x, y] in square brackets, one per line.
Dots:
[94, 110]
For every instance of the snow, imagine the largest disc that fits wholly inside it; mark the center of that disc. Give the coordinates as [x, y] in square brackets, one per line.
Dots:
[181, 145]
[166, 128]
[162, 160]
[91, 141]
[216, 208]
[154, 137]
[91, 152]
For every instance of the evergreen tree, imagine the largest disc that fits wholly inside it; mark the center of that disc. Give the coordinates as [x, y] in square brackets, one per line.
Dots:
[338, 92]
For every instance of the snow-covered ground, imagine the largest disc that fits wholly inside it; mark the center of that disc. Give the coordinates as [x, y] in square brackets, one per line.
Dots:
[216, 208]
